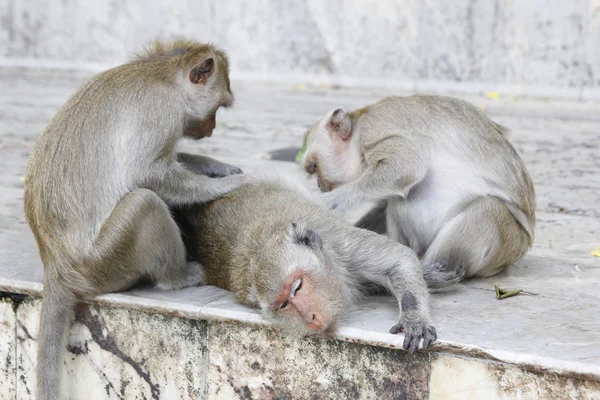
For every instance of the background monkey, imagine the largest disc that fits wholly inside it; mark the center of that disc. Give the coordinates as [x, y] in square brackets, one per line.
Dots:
[302, 265]
[445, 177]
[101, 176]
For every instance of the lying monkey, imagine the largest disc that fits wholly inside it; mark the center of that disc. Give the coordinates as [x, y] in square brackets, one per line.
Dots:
[448, 182]
[301, 264]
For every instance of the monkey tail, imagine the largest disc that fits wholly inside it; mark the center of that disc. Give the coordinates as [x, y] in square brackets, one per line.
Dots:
[57, 309]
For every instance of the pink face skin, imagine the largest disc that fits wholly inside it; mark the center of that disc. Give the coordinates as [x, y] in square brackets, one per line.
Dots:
[299, 299]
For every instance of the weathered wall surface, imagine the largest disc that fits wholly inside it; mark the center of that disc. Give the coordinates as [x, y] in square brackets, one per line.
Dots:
[538, 47]
[116, 353]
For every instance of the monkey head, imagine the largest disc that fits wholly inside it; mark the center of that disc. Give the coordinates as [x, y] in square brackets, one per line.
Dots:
[333, 151]
[206, 87]
[294, 285]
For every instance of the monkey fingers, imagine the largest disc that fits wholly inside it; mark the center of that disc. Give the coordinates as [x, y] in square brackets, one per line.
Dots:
[413, 335]
[223, 169]
[203, 165]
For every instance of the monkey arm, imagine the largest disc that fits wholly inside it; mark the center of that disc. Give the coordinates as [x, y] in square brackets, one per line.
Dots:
[374, 258]
[208, 166]
[382, 180]
[177, 186]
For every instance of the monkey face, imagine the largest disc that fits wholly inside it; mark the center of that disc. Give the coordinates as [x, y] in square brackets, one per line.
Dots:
[295, 287]
[332, 153]
[299, 300]
[206, 89]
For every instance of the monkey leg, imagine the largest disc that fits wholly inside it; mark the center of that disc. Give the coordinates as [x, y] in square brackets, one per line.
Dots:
[483, 238]
[141, 239]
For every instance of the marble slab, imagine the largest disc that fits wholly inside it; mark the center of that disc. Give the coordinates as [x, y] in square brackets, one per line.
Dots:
[118, 354]
[8, 350]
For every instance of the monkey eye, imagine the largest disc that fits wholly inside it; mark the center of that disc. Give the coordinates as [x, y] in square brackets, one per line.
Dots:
[296, 286]
[283, 305]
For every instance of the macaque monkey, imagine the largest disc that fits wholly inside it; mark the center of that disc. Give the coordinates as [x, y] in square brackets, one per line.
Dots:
[446, 180]
[103, 173]
[301, 264]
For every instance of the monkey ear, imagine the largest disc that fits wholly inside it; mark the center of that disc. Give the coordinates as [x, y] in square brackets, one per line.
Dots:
[340, 124]
[301, 234]
[201, 72]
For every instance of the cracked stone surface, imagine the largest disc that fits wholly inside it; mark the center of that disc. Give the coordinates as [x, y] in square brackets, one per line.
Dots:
[8, 350]
[265, 364]
[117, 354]
[556, 330]
[473, 380]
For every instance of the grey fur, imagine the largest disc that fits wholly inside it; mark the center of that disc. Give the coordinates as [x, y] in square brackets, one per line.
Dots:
[409, 302]
[306, 236]
[245, 246]
[375, 219]
[101, 176]
[455, 187]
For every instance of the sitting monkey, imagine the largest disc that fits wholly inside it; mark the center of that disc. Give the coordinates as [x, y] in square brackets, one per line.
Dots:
[103, 173]
[301, 264]
[447, 181]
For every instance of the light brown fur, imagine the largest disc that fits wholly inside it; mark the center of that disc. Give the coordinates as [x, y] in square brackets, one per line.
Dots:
[258, 239]
[432, 163]
[101, 176]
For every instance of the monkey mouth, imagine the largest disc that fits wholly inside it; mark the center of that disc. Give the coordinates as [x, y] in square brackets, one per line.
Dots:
[330, 328]
[196, 134]
[324, 185]
[198, 129]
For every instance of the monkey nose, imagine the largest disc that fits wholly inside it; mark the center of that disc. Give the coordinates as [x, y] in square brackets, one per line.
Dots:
[315, 322]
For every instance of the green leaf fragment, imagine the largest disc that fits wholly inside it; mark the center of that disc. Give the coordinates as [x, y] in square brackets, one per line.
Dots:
[503, 294]
[301, 152]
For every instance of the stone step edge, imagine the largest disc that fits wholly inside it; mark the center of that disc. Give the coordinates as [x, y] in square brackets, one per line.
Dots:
[528, 362]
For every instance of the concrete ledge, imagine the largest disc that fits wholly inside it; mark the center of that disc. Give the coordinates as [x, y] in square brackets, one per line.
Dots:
[199, 343]
[127, 353]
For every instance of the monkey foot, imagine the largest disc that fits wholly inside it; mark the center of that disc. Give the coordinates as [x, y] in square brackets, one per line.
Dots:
[413, 335]
[438, 275]
[192, 275]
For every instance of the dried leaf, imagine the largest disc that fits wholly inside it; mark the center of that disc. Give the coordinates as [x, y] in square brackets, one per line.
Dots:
[503, 293]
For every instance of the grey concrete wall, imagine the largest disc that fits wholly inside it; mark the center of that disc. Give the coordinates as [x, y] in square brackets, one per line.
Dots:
[534, 47]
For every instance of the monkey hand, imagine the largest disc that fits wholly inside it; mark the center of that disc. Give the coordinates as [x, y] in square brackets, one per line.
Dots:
[414, 329]
[222, 169]
[335, 200]
[203, 165]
